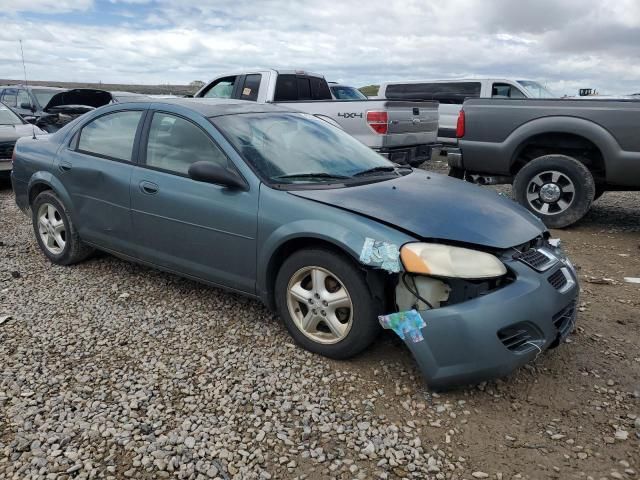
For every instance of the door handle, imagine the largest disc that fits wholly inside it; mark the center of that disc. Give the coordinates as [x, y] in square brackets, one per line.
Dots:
[65, 166]
[148, 187]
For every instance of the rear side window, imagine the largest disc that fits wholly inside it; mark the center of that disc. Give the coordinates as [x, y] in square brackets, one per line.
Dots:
[504, 90]
[250, 88]
[299, 87]
[448, 93]
[221, 88]
[175, 143]
[111, 135]
[23, 100]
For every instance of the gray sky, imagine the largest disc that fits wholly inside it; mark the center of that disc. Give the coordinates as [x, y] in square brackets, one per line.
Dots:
[567, 44]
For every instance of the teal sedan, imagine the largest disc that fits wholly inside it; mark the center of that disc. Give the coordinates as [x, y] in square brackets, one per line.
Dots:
[287, 208]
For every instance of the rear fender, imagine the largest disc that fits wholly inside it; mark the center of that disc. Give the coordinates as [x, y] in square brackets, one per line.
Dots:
[45, 178]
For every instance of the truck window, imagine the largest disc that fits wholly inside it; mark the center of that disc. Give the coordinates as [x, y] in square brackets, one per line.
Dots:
[9, 98]
[221, 88]
[504, 90]
[300, 87]
[444, 92]
[250, 88]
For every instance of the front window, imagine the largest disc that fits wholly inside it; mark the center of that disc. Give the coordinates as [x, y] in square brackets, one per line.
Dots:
[347, 93]
[175, 143]
[291, 148]
[222, 88]
[7, 117]
[536, 90]
[43, 96]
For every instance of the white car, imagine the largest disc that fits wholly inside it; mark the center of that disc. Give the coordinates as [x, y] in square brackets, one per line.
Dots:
[452, 93]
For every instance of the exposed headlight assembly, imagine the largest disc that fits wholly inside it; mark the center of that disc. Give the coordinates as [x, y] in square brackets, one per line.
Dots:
[445, 261]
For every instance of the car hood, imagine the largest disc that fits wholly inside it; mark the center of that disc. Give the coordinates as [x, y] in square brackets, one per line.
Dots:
[78, 98]
[9, 133]
[437, 207]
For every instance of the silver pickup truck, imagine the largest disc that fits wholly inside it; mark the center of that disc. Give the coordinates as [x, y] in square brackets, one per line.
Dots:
[560, 155]
[403, 131]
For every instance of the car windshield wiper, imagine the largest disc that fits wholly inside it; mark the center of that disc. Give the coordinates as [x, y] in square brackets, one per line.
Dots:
[380, 169]
[322, 175]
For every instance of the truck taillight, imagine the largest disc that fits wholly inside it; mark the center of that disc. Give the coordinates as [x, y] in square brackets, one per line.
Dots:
[460, 127]
[378, 121]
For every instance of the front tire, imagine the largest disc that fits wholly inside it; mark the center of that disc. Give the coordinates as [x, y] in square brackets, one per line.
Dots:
[55, 232]
[325, 303]
[556, 188]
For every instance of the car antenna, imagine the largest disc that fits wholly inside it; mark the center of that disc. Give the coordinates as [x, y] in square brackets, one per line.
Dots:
[26, 84]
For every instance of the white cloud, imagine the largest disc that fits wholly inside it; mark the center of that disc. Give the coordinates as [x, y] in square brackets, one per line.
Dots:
[44, 6]
[566, 43]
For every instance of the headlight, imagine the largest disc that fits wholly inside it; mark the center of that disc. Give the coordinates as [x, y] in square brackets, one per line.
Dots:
[446, 261]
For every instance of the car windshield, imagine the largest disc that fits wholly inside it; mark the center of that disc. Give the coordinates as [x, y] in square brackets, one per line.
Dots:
[347, 93]
[7, 117]
[299, 148]
[536, 90]
[43, 96]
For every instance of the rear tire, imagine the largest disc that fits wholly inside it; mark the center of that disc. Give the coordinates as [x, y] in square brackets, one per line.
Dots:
[326, 304]
[556, 188]
[55, 232]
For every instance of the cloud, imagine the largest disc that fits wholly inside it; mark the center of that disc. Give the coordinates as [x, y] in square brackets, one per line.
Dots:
[566, 43]
[51, 6]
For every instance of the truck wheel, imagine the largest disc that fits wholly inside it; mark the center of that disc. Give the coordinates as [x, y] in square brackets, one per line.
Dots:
[556, 188]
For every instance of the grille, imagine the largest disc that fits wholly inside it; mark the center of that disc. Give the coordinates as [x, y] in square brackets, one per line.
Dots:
[564, 319]
[558, 280]
[518, 338]
[6, 149]
[535, 259]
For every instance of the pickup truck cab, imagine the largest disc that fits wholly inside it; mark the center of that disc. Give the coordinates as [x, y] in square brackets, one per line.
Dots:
[451, 94]
[403, 131]
[560, 155]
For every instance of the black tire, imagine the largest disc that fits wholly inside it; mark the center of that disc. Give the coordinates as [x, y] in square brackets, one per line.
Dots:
[570, 169]
[455, 172]
[74, 250]
[364, 323]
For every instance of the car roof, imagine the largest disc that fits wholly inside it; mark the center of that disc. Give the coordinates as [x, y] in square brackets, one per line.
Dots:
[35, 87]
[216, 107]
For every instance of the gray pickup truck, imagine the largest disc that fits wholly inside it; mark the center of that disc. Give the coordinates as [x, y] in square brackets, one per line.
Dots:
[560, 155]
[403, 131]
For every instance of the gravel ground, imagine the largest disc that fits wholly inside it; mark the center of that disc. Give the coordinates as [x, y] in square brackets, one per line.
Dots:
[114, 370]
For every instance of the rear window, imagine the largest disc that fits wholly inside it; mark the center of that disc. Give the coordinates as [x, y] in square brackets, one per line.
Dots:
[451, 93]
[300, 87]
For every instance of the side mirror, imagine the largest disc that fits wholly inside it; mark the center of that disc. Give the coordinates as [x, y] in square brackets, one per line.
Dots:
[26, 106]
[211, 173]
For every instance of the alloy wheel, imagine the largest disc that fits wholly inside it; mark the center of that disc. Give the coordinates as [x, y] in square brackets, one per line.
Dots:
[51, 228]
[550, 192]
[319, 305]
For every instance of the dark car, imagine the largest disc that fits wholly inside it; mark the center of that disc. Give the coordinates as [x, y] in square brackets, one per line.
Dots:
[52, 108]
[12, 127]
[284, 207]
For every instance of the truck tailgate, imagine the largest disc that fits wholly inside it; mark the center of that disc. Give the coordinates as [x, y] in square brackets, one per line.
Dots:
[411, 123]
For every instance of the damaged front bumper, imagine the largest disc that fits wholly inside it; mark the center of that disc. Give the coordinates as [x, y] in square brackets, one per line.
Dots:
[493, 334]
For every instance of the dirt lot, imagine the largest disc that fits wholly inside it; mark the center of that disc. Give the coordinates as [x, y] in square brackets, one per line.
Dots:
[114, 370]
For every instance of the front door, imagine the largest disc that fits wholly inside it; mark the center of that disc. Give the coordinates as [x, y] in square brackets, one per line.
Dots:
[199, 229]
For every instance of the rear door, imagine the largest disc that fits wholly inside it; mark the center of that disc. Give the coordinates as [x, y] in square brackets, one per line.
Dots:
[96, 170]
[199, 229]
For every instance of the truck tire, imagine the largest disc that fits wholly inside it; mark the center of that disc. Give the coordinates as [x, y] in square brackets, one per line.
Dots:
[556, 188]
